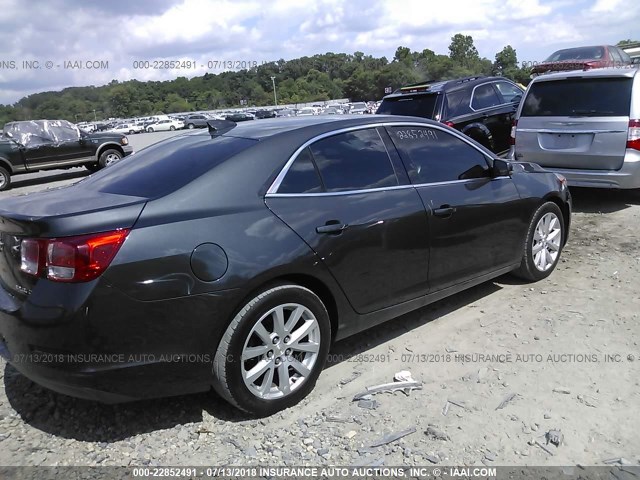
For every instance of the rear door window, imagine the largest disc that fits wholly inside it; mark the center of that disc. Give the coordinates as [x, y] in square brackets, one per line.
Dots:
[353, 161]
[584, 97]
[484, 96]
[302, 176]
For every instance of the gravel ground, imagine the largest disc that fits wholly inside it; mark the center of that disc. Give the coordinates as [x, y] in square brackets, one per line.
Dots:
[549, 371]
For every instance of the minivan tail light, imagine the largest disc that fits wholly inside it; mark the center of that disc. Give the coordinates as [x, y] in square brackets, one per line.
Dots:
[633, 138]
[71, 259]
[512, 136]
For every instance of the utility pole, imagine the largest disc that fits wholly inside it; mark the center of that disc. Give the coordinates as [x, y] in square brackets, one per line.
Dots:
[275, 97]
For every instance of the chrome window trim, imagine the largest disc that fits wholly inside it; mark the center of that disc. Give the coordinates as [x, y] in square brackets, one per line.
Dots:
[380, 189]
[272, 191]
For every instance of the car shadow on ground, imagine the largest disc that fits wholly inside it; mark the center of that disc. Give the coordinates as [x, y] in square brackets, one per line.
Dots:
[86, 420]
[601, 200]
[57, 177]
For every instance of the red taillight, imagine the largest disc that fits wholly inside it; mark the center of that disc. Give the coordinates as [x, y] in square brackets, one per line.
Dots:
[512, 137]
[449, 124]
[589, 65]
[71, 259]
[633, 138]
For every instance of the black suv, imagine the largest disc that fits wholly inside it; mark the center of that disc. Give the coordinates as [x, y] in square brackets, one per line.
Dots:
[481, 107]
[29, 146]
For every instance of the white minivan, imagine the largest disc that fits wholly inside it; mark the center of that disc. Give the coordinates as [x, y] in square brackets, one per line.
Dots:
[584, 125]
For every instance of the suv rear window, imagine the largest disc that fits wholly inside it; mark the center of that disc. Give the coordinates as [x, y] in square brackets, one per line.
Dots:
[167, 166]
[580, 97]
[422, 105]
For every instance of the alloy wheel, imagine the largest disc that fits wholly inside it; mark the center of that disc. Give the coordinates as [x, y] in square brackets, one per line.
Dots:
[546, 243]
[280, 351]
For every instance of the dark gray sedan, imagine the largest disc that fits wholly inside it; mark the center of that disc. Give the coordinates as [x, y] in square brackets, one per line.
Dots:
[232, 258]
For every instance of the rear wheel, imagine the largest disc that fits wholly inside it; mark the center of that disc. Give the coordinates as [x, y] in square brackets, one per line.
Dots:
[273, 350]
[5, 179]
[542, 247]
[172, 128]
[191, 126]
[108, 157]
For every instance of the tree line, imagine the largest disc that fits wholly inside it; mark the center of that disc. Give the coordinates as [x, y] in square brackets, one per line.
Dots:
[320, 77]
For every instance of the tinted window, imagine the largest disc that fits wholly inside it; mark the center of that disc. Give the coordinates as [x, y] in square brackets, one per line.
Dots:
[625, 56]
[580, 53]
[435, 156]
[585, 97]
[166, 166]
[615, 55]
[302, 177]
[458, 103]
[508, 91]
[353, 161]
[484, 96]
[417, 106]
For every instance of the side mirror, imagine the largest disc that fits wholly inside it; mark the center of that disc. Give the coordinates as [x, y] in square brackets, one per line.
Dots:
[501, 168]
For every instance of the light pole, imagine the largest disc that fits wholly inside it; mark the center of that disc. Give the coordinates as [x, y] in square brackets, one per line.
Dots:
[95, 119]
[275, 98]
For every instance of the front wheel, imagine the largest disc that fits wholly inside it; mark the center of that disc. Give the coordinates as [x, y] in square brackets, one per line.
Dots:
[150, 130]
[108, 157]
[273, 350]
[543, 244]
[5, 179]
[191, 126]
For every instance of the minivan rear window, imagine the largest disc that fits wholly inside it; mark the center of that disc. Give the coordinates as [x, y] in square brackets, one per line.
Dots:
[579, 97]
[412, 105]
[166, 166]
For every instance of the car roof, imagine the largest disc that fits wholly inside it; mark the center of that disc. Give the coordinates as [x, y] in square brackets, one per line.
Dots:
[443, 86]
[310, 125]
[594, 73]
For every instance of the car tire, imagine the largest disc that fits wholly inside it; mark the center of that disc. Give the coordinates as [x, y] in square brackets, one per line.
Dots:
[131, 132]
[172, 128]
[191, 126]
[543, 243]
[5, 179]
[108, 157]
[150, 130]
[242, 349]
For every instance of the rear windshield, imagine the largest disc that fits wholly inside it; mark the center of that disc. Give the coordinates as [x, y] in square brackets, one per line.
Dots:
[593, 97]
[580, 53]
[413, 105]
[167, 166]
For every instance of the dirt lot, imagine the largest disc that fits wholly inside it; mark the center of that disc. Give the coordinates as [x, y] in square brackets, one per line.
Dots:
[563, 354]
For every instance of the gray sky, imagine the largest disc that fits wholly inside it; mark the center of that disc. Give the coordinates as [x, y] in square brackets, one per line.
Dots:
[120, 32]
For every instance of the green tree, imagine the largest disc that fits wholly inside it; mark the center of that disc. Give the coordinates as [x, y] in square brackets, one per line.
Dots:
[462, 50]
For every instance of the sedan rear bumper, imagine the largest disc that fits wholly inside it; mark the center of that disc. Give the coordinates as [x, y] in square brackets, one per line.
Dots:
[135, 351]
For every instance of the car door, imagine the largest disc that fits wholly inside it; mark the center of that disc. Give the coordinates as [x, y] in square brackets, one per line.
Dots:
[342, 195]
[497, 115]
[475, 220]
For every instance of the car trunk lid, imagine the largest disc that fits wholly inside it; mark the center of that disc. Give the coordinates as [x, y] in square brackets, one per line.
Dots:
[54, 214]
